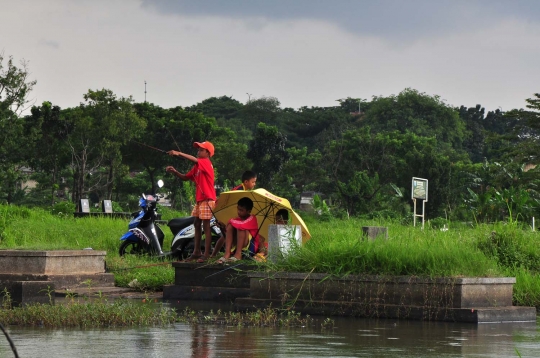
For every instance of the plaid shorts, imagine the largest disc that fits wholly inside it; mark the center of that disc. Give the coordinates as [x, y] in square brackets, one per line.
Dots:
[203, 209]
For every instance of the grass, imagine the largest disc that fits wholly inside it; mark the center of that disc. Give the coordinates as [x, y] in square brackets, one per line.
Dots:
[408, 251]
[130, 313]
[336, 248]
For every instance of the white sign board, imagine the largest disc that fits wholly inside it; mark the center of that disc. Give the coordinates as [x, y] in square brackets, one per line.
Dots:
[419, 189]
[281, 238]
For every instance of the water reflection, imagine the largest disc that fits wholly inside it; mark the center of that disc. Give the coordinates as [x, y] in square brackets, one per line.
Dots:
[350, 338]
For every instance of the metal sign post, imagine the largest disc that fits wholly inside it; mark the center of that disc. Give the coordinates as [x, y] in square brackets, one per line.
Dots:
[419, 191]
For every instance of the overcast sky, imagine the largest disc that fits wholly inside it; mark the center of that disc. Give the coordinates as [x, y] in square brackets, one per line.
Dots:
[303, 52]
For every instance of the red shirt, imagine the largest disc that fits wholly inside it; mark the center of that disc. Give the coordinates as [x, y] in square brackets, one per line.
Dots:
[202, 174]
[250, 224]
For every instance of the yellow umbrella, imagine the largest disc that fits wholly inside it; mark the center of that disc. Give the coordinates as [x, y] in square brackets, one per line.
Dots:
[265, 207]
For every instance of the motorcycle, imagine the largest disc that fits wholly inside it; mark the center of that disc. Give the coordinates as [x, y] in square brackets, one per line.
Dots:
[183, 230]
[144, 235]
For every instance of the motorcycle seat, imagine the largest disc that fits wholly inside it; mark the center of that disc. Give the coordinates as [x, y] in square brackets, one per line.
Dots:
[181, 222]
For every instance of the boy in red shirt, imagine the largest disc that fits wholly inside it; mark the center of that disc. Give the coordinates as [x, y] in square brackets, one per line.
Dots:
[240, 228]
[202, 174]
[249, 180]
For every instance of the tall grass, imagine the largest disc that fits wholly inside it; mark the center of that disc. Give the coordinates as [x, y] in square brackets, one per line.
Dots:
[37, 229]
[337, 248]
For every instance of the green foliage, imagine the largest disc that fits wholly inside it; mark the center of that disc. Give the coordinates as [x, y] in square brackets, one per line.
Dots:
[268, 154]
[438, 223]
[524, 145]
[141, 273]
[223, 107]
[10, 213]
[337, 249]
[418, 113]
[86, 314]
[65, 208]
[321, 208]
[512, 247]
[355, 153]
[500, 192]
[260, 110]
[303, 171]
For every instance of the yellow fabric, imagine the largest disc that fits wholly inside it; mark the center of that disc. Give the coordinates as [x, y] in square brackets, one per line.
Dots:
[265, 206]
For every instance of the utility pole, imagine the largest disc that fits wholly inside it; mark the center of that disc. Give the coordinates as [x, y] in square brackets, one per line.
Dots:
[249, 97]
[145, 91]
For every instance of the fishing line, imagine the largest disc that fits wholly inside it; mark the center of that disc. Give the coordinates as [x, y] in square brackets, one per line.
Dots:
[149, 146]
[10, 341]
[142, 266]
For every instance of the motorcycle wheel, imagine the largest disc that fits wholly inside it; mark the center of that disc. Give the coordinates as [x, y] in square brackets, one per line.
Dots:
[186, 251]
[131, 248]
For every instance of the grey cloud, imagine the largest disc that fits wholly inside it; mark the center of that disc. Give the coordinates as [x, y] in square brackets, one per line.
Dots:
[49, 43]
[391, 19]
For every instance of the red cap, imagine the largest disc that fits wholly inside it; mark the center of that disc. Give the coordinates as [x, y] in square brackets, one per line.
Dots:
[205, 145]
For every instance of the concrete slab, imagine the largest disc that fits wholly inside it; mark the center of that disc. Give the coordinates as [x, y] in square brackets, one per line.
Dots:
[478, 300]
[213, 282]
[27, 292]
[60, 262]
[388, 290]
[355, 309]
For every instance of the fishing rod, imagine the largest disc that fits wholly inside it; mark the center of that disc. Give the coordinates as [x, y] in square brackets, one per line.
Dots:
[174, 140]
[11, 344]
[143, 266]
[228, 268]
[154, 148]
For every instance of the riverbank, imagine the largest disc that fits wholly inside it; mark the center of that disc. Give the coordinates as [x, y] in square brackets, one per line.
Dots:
[337, 248]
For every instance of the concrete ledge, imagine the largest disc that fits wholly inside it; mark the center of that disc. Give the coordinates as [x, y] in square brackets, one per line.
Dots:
[334, 308]
[216, 275]
[27, 292]
[195, 281]
[385, 290]
[61, 262]
[173, 292]
[62, 281]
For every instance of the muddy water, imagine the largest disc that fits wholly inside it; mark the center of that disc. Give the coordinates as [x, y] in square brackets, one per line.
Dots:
[350, 338]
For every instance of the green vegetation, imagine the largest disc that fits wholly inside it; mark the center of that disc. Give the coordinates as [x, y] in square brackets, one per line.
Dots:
[101, 313]
[496, 250]
[481, 166]
[482, 169]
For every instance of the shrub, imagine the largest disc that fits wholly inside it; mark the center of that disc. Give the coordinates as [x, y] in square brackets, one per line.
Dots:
[63, 208]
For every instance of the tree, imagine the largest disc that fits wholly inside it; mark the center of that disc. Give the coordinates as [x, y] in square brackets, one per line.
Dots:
[223, 107]
[231, 159]
[264, 109]
[49, 152]
[268, 154]
[302, 172]
[14, 86]
[364, 164]
[474, 140]
[418, 113]
[168, 129]
[313, 127]
[14, 90]
[525, 137]
[101, 126]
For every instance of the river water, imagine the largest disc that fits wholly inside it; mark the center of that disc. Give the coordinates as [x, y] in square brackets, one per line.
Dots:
[351, 337]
